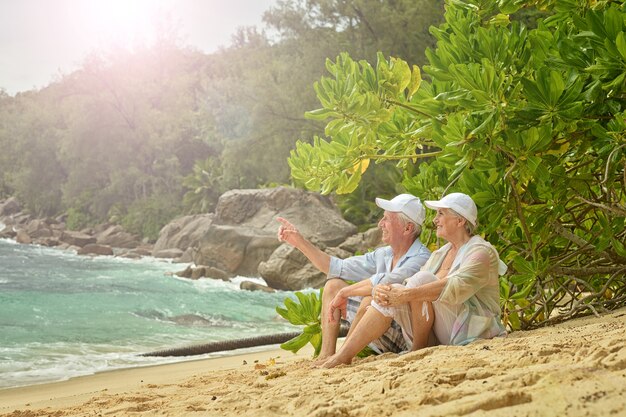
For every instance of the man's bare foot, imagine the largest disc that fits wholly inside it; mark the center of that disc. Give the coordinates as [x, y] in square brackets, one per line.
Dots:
[320, 360]
[334, 361]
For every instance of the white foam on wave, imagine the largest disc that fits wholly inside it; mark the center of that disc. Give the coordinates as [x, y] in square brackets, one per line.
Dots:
[205, 285]
[239, 279]
[78, 361]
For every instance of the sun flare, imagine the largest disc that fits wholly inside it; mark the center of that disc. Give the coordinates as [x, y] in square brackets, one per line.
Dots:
[126, 23]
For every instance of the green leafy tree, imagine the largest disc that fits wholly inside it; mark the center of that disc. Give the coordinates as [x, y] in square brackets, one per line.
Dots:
[529, 122]
[204, 186]
[259, 89]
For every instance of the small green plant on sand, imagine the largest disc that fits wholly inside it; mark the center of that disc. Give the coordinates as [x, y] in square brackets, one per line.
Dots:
[308, 314]
[305, 313]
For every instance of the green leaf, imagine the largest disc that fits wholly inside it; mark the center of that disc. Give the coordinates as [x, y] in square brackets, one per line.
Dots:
[297, 343]
[482, 198]
[523, 266]
[416, 81]
[320, 114]
[619, 247]
[620, 41]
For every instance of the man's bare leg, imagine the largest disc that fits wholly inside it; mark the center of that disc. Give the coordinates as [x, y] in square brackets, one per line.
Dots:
[420, 326]
[330, 330]
[373, 325]
[365, 303]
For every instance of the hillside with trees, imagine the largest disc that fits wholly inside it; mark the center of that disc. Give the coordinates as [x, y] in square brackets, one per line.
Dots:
[139, 137]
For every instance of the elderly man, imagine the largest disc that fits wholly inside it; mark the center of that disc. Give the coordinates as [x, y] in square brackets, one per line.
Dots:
[405, 254]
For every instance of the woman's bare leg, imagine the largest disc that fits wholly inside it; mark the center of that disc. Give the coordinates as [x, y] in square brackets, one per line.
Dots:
[371, 326]
[420, 325]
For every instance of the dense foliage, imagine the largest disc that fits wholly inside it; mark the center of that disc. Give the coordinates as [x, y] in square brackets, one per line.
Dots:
[529, 122]
[139, 137]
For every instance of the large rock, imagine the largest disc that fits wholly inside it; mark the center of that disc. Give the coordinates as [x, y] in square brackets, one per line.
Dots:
[235, 249]
[313, 214]
[288, 269]
[47, 241]
[116, 237]
[243, 231]
[167, 253]
[184, 232]
[95, 249]
[23, 238]
[9, 207]
[8, 233]
[76, 238]
[363, 242]
[38, 229]
[253, 286]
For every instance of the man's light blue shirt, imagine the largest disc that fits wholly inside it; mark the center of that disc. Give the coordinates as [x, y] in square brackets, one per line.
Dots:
[376, 265]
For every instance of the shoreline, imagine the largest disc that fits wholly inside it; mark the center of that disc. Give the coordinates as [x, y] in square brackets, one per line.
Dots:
[575, 368]
[113, 381]
[166, 360]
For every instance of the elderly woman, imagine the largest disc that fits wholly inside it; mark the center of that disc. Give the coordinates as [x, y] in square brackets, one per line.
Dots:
[452, 300]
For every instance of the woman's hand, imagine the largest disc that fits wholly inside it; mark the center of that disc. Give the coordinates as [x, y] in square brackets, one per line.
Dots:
[337, 308]
[390, 296]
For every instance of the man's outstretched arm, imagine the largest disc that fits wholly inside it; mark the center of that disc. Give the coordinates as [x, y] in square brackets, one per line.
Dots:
[288, 233]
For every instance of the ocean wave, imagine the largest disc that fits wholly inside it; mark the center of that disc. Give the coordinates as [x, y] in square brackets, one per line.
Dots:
[73, 315]
[63, 362]
[194, 319]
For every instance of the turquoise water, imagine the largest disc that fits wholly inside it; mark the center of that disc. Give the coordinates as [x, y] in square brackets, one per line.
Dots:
[63, 315]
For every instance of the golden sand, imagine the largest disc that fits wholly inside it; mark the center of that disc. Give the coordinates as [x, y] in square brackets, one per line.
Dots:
[577, 368]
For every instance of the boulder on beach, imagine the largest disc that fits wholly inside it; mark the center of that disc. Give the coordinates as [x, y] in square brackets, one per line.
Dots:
[38, 228]
[10, 206]
[95, 249]
[203, 272]
[183, 232]
[23, 238]
[253, 286]
[288, 269]
[77, 238]
[243, 231]
[115, 236]
[8, 233]
[363, 242]
[167, 253]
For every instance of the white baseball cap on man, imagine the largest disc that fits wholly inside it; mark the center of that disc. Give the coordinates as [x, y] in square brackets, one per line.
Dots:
[459, 202]
[406, 204]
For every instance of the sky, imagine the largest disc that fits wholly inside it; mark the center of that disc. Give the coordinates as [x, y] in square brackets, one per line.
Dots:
[42, 39]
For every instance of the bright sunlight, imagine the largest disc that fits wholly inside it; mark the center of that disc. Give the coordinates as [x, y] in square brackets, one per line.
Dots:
[121, 22]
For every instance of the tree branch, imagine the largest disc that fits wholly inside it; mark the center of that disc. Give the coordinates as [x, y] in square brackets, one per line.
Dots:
[616, 210]
[585, 272]
[520, 214]
[400, 157]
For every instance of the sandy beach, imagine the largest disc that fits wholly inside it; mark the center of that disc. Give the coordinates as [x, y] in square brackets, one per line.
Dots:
[577, 368]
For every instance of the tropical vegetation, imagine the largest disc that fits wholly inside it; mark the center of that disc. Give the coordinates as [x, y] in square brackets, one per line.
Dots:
[531, 122]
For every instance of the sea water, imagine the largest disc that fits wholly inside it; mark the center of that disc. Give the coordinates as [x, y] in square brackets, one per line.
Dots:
[64, 315]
